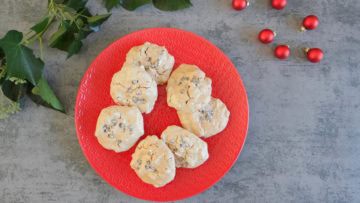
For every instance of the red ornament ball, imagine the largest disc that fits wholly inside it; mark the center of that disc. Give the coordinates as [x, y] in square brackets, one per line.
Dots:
[266, 36]
[282, 51]
[240, 4]
[278, 4]
[310, 22]
[314, 55]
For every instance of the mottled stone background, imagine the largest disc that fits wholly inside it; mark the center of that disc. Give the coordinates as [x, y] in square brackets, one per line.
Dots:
[304, 136]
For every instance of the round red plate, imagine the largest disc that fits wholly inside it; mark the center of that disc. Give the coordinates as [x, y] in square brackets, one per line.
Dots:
[224, 148]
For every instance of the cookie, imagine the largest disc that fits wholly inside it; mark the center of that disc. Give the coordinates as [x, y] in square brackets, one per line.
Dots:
[206, 121]
[119, 127]
[155, 59]
[134, 87]
[153, 162]
[189, 150]
[188, 88]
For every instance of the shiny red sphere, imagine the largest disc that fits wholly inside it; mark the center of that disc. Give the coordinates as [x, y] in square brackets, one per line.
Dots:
[266, 36]
[239, 4]
[315, 55]
[282, 51]
[310, 22]
[278, 4]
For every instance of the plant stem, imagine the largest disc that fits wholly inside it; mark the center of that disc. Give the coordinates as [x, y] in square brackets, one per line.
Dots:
[37, 36]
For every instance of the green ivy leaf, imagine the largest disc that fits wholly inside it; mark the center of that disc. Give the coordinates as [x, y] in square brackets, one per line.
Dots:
[109, 4]
[2, 67]
[57, 1]
[74, 48]
[21, 61]
[70, 33]
[13, 91]
[2, 56]
[41, 26]
[83, 33]
[127, 4]
[171, 5]
[97, 20]
[66, 38]
[59, 35]
[165, 5]
[133, 4]
[75, 4]
[42, 94]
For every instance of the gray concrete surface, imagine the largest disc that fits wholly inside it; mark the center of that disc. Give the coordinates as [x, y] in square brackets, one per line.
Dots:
[304, 138]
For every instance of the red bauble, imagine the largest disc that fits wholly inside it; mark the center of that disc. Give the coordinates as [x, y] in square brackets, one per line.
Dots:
[266, 36]
[314, 55]
[282, 51]
[240, 4]
[278, 4]
[310, 22]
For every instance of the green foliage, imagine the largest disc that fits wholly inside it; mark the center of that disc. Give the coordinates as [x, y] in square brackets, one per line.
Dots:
[21, 61]
[2, 66]
[109, 4]
[21, 72]
[24, 70]
[171, 5]
[42, 25]
[43, 94]
[75, 4]
[97, 20]
[12, 90]
[75, 24]
[165, 5]
[133, 4]
[66, 38]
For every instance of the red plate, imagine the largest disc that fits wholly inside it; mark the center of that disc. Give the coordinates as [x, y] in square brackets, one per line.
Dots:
[224, 148]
